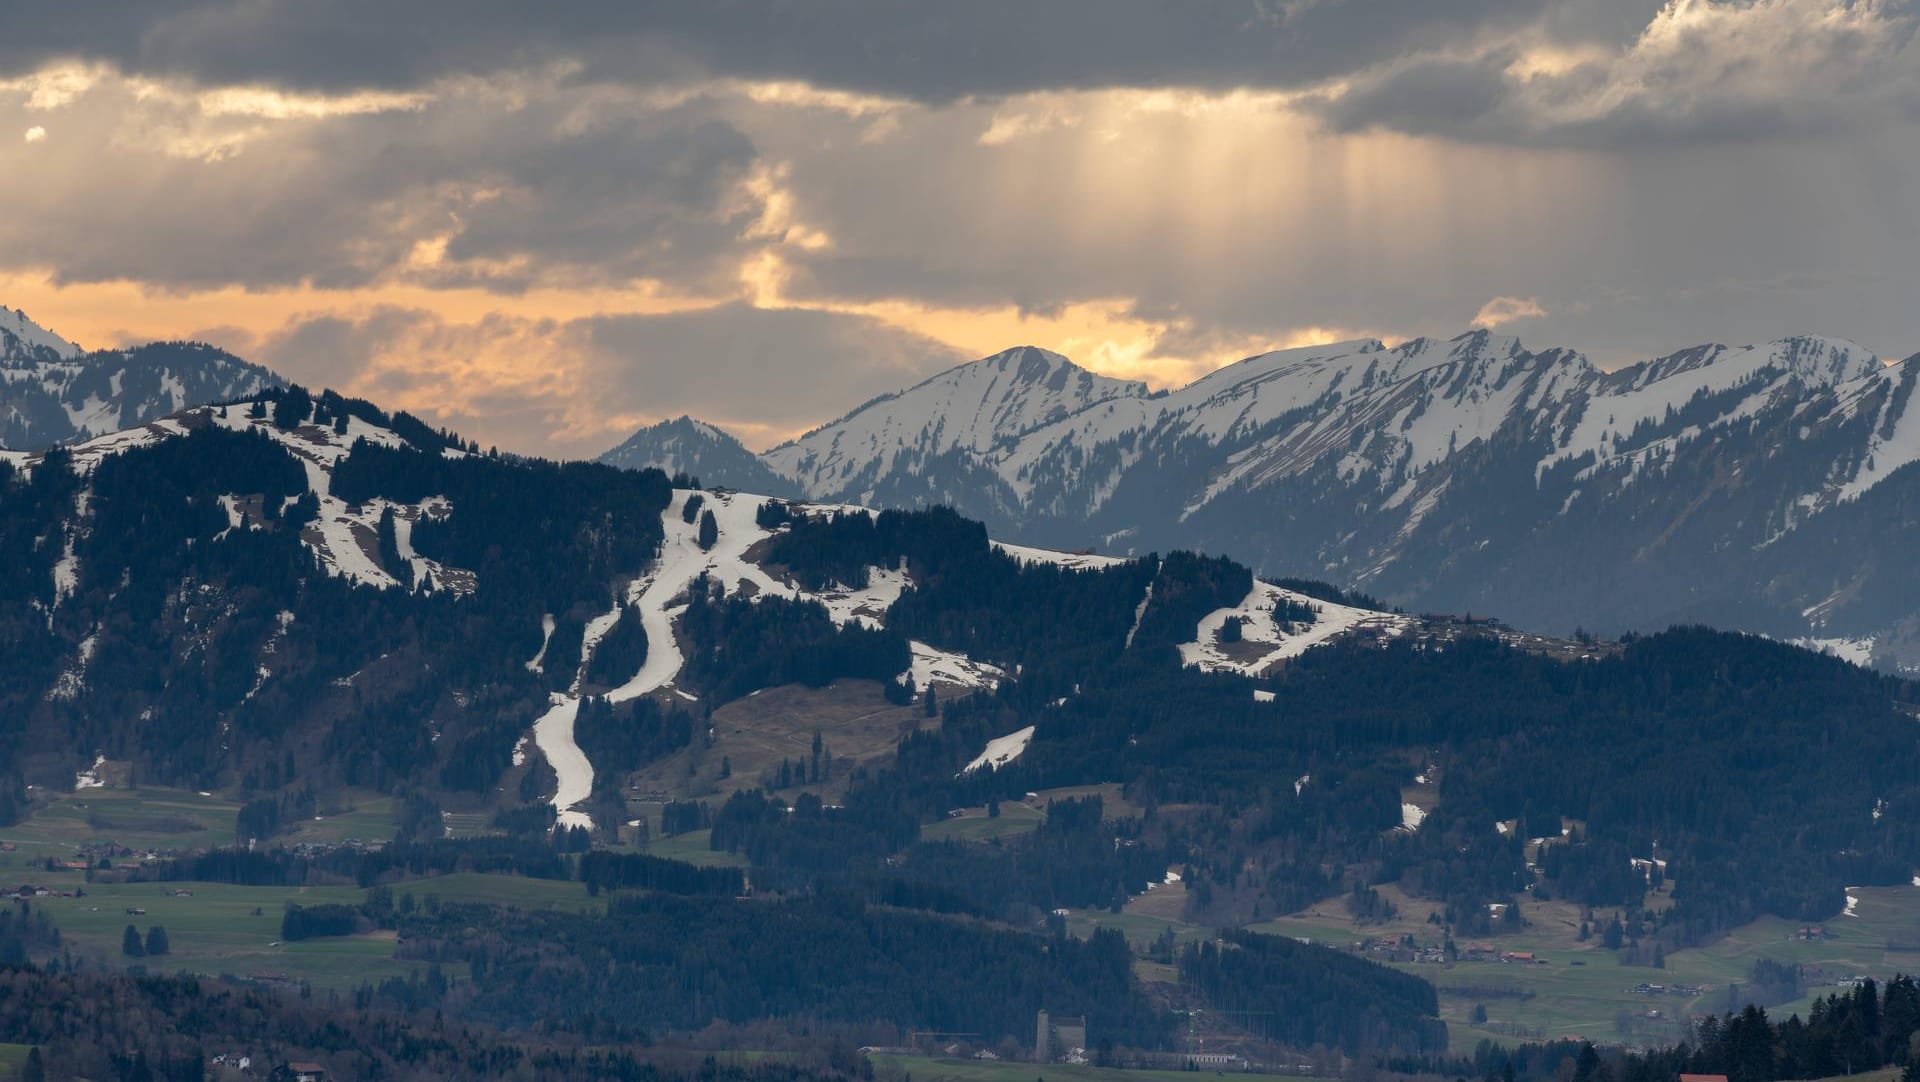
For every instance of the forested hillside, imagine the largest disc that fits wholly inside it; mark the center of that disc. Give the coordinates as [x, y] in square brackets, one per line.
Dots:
[299, 597]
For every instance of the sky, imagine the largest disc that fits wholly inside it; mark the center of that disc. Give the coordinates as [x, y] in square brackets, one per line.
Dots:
[545, 225]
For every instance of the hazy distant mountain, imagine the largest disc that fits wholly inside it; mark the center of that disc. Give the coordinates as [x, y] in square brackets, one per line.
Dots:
[700, 451]
[1758, 486]
[52, 391]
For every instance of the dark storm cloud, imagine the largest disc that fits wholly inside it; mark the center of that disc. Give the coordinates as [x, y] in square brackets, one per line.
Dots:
[522, 183]
[1424, 97]
[926, 51]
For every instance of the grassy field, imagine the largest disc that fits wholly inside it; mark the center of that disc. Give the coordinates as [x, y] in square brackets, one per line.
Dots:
[12, 1058]
[974, 825]
[506, 890]
[692, 848]
[135, 818]
[752, 735]
[1583, 990]
[223, 929]
[366, 817]
[927, 1069]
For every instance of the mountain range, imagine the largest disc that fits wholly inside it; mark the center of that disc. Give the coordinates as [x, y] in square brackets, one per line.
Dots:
[52, 391]
[1764, 487]
[295, 603]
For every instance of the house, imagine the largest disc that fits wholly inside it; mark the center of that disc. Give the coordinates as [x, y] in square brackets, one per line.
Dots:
[307, 1072]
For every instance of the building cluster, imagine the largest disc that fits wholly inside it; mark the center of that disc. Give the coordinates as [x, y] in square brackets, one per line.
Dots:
[1062, 1039]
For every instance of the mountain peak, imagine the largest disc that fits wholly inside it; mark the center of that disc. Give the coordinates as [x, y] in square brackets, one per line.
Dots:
[21, 339]
[687, 445]
[968, 409]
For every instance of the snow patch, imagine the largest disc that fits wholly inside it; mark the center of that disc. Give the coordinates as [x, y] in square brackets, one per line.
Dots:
[90, 777]
[1259, 625]
[1857, 651]
[1411, 816]
[1001, 750]
[546, 637]
[931, 665]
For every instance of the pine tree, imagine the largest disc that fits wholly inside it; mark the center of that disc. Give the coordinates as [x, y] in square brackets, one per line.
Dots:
[157, 941]
[34, 1069]
[131, 944]
[709, 530]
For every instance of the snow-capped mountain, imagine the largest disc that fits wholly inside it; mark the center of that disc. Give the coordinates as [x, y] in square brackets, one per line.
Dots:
[1463, 474]
[52, 391]
[923, 441]
[686, 447]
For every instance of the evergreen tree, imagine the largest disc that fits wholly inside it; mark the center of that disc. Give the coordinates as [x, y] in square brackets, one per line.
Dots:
[156, 941]
[131, 944]
[709, 529]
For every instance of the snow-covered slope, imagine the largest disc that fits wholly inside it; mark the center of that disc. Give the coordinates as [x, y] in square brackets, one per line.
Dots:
[21, 339]
[52, 392]
[966, 412]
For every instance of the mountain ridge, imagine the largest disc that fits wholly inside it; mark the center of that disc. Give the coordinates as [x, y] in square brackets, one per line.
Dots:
[52, 391]
[1388, 467]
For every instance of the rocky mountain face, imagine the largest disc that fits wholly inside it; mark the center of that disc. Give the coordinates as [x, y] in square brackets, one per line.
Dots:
[52, 391]
[1765, 487]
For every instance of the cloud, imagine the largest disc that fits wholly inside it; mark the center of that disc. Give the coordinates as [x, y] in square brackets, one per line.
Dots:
[1503, 310]
[921, 51]
[1700, 71]
[508, 183]
[577, 387]
[36, 134]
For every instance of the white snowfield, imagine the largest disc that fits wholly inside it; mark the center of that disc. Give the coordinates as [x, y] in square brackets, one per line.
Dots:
[1275, 643]
[1001, 750]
